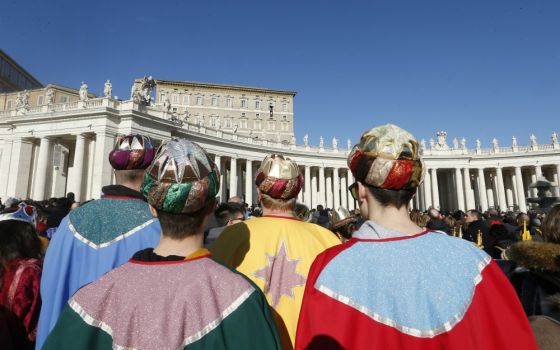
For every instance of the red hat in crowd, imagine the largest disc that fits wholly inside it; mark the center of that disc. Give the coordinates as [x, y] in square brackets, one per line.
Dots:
[279, 177]
[132, 152]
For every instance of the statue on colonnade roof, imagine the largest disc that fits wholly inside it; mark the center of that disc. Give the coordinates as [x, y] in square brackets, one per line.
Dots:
[108, 89]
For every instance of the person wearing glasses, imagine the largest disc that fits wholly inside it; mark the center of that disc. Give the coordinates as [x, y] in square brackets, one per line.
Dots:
[395, 285]
[276, 250]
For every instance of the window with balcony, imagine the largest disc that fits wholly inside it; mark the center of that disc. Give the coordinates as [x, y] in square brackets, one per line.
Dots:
[228, 123]
[199, 100]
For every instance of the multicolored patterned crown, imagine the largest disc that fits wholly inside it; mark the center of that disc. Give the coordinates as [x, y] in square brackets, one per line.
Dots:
[132, 152]
[23, 212]
[182, 179]
[387, 157]
[341, 217]
[279, 177]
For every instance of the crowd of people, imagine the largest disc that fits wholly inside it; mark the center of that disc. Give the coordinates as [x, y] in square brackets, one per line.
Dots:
[158, 263]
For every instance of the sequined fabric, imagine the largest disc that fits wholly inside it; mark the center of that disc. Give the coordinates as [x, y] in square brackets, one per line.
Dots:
[182, 178]
[279, 177]
[387, 157]
[132, 152]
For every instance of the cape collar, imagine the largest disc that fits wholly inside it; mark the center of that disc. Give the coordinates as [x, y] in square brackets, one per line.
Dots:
[119, 191]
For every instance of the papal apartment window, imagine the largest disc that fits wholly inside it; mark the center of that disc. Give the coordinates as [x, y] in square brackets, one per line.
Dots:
[40, 100]
[214, 101]
[213, 122]
[9, 104]
[243, 123]
[63, 99]
[175, 99]
[228, 123]
[161, 98]
[199, 100]
[284, 107]
[243, 103]
[257, 124]
[186, 100]
[257, 104]
[228, 102]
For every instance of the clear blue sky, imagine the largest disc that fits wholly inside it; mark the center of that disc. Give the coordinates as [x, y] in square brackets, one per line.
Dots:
[473, 68]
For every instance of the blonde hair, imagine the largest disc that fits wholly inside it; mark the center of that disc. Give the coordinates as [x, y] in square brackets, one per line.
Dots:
[277, 204]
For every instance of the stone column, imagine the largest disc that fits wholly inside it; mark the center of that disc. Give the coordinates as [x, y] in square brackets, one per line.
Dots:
[344, 192]
[42, 168]
[435, 189]
[249, 182]
[490, 192]
[468, 190]
[314, 194]
[329, 193]
[232, 178]
[307, 187]
[557, 180]
[459, 188]
[19, 169]
[520, 190]
[482, 190]
[336, 189]
[501, 189]
[533, 191]
[102, 170]
[321, 199]
[218, 162]
[427, 190]
[76, 183]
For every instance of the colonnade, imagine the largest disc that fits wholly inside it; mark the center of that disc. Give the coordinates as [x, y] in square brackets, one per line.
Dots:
[323, 185]
[501, 187]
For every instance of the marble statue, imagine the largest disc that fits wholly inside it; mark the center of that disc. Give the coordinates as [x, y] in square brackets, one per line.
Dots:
[477, 144]
[554, 138]
[235, 129]
[134, 93]
[293, 140]
[334, 143]
[349, 144]
[83, 92]
[50, 96]
[533, 140]
[441, 141]
[423, 144]
[463, 143]
[143, 94]
[513, 141]
[108, 89]
[495, 142]
[166, 104]
[306, 140]
[432, 143]
[455, 143]
[25, 99]
[321, 142]
[19, 101]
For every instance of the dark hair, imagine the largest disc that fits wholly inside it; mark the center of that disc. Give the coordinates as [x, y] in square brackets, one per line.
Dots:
[18, 239]
[179, 226]
[551, 225]
[129, 175]
[388, 198]
[226, 211]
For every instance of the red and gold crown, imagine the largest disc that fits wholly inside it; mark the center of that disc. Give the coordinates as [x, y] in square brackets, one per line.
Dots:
[279, 177]
[387, 157]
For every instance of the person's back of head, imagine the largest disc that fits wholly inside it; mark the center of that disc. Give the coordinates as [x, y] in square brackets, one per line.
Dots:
[493, 213]
[434, 214]
[129, 158]
[473, 215]
[278, 182]
[229, 213]
[235, 199]
[181, 187]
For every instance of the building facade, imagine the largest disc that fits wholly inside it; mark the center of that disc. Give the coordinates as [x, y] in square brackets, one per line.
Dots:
[57, 148]
[259, 113]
